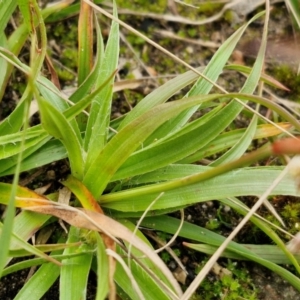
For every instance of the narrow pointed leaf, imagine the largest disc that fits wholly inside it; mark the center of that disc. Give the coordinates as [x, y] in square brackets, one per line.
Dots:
[203, 87]
[175, 149]
[98, 122]
[102, 270]
[241, 145]
[240, 182]
[75, 270]
[35, 288]
[57, 125]
[122, 145]
[200, 234]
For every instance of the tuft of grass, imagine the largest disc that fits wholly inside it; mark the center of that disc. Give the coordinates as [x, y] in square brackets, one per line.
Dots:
[128, 174]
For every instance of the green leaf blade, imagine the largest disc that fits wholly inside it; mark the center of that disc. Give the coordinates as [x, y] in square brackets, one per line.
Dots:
[98, 122]
[75, 270]
[57, 125]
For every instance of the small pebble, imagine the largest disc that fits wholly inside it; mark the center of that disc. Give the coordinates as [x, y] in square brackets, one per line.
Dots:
[51, 174]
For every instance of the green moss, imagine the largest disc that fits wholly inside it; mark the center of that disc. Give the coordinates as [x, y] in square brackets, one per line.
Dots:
[229, 16]
[209, 7]
[145, 57]
[135, 40]
[197, 11]
[165, 256]
[235, 284]
[123, 49]
[65, 35]
[158, 6]
[65, 75]
[68, 62]
[70, 56]
[289, 78]
[272, 219]
[177, 252]
[163, 236]
[181, 33]
[291, 216]
[65, 32]
[212, 224]
[291, 211]
[192, 32]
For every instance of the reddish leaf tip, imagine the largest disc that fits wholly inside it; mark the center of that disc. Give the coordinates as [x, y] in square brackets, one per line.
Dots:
[286, 146]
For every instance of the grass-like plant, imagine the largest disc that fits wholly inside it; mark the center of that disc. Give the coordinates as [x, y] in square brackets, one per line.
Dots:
[132, 170]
